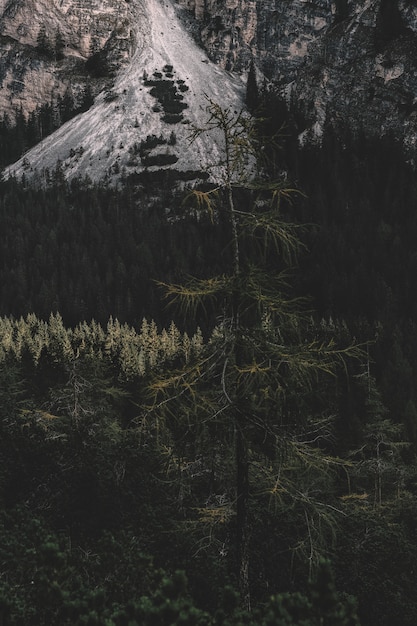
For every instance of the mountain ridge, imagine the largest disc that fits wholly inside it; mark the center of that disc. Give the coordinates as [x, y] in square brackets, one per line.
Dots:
[338, 63]
[145, 119]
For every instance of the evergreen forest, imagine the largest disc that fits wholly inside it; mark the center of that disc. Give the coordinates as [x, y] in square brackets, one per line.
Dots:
[207, 403]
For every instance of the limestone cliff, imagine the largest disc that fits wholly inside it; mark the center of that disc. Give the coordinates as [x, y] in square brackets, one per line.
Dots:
[144, 119]
[343, 62]
[276, 32]
[34, 71]
[362, 72]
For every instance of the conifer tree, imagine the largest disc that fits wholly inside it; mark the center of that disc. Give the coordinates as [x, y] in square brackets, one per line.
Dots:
[244, 393]
[59, 45]
[389, 22]
[252, 92]
[43, 43]
[341, 10]
[379, 468]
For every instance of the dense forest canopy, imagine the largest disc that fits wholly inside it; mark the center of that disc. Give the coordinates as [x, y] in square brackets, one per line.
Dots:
[106, 495]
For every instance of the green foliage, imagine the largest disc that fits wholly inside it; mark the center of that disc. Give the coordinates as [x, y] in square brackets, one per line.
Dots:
[169, 606]
[173, 118]
[97, 64]
[151, 141]
[59, 46]
[379, 467]
[252, 92]
[89, 488]
[21, 133]
[168, 93]
[341, 10]
[43, 42]
[134, 352]
[56, 582]
[389, 23]
[160, 159]
[69, 236]
[98, 491]
[252, 381]
[378, 545]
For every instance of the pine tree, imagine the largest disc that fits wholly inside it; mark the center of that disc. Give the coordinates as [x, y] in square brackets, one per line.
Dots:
[246, 392]
[341, 10]
[379, 467]
[389, 24]
[43, 43]
[252, 92]
[59, 46]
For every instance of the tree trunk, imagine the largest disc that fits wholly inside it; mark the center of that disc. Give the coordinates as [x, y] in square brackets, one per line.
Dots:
[242, 518]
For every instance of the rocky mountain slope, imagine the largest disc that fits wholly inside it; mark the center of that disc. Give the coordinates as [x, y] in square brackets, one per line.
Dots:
[341, 62]
[348, 62]
[144, 116]
[33, 71]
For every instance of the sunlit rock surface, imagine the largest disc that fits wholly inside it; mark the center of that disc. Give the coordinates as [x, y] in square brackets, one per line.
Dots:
[339, 62]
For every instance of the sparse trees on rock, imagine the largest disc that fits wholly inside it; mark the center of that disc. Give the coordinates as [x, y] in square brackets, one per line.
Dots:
[43, 42]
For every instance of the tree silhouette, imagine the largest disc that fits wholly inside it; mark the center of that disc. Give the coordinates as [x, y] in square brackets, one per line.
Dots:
[252, 91]
[245, 395]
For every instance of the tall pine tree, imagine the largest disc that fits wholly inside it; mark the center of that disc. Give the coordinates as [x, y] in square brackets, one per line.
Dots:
[252, 91]
[243, 403]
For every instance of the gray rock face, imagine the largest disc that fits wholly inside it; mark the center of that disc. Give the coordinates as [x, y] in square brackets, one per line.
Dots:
[362, 73]
[276, 32]
[31, 75]
[343, 62]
